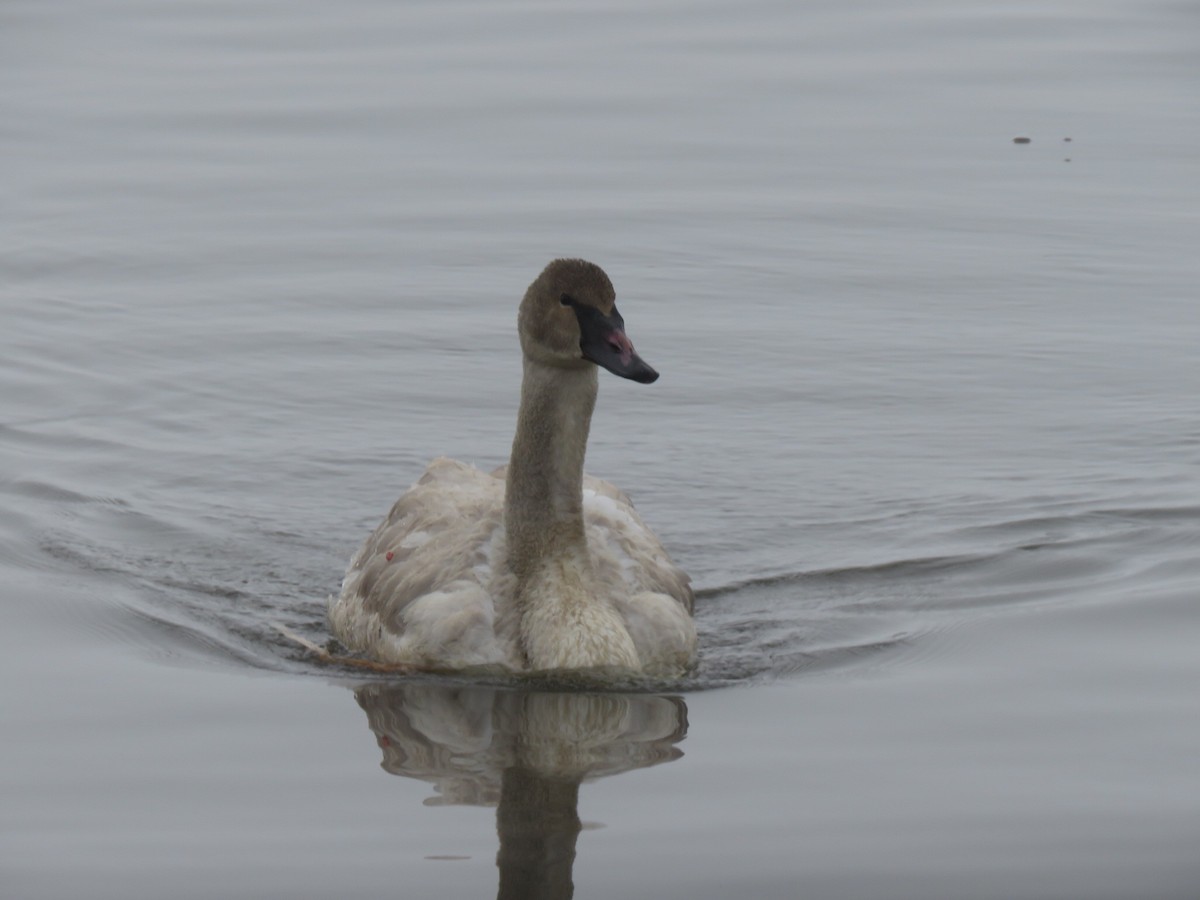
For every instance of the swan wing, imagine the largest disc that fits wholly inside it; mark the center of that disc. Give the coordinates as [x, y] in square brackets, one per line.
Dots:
[416, 592]
[652, 595]
[617, 535]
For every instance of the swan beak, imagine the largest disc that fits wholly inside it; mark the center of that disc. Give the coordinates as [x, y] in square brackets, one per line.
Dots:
[604, 342]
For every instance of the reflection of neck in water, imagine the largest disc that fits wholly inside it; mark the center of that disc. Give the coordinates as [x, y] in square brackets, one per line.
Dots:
[537, 821]
[525, 753]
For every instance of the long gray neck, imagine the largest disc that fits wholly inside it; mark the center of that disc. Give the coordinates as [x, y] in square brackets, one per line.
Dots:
[543, 507]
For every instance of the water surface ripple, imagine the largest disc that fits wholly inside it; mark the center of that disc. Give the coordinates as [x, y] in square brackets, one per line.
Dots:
[926, 438]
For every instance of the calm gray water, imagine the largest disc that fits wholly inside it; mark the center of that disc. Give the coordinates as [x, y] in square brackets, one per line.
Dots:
[926, 438]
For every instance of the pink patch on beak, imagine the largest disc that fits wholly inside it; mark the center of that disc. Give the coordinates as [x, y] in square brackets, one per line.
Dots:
[619, 342]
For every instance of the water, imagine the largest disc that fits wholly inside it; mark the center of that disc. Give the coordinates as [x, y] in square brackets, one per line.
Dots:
[926, 439]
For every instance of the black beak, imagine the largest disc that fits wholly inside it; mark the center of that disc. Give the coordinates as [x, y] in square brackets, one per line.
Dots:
[603, 341]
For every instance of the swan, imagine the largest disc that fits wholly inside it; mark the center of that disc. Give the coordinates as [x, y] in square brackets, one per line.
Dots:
[534, 566]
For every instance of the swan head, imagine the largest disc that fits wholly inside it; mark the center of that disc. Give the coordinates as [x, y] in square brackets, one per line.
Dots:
[569, 319]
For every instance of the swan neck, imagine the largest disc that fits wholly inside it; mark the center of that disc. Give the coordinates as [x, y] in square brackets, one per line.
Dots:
[544, 491]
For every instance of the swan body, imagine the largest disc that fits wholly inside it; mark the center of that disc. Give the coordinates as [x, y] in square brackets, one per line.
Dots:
[534, 566]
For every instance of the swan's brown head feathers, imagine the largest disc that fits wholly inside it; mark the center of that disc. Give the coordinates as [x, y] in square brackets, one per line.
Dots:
[569, 319]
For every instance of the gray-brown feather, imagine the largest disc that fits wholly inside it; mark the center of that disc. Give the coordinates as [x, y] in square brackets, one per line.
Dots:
[446, 533]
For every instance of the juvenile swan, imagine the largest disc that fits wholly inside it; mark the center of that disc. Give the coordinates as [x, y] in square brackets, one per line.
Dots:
[534, 566]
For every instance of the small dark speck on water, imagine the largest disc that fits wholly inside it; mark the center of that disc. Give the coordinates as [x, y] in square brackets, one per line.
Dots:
[1066, 140]
[1020, 140]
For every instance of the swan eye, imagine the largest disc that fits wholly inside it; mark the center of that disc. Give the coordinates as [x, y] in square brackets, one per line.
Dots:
[565, 300]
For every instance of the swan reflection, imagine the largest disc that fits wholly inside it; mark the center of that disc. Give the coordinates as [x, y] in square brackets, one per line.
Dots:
[524, 753]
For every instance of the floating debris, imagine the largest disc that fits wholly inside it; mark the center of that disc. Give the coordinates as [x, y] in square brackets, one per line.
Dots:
[1020, 140]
